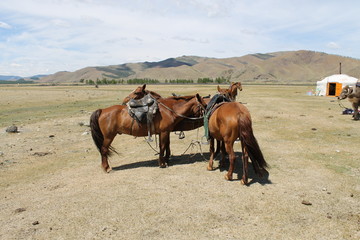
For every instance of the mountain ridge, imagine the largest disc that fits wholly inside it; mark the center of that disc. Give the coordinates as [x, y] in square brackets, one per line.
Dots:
[301, 66]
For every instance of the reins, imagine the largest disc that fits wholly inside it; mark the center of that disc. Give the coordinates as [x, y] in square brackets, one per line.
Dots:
[180, 115]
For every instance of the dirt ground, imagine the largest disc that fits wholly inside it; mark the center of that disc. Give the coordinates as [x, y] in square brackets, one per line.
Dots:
[52, 186]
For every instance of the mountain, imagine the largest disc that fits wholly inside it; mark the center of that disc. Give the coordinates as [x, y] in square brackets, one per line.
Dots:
[278, 67]
[9, 78]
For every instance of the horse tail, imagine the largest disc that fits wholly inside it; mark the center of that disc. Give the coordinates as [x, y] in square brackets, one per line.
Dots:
[96, 133]
[251, 145]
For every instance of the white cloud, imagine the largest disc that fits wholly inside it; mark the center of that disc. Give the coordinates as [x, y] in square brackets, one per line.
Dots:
[4, 25]
[333, 45]
[71, 34]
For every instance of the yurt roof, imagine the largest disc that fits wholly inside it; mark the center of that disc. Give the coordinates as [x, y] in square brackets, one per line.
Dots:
[342, 78]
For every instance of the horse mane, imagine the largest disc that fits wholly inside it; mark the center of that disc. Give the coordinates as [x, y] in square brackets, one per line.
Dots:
[154, 94]
[187, 98]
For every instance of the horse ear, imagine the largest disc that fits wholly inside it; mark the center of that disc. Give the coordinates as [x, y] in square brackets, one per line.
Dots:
[218, 88]
[143, 87]
[200, 99]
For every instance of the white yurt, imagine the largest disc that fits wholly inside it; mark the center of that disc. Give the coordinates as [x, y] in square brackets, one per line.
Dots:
[332, 85]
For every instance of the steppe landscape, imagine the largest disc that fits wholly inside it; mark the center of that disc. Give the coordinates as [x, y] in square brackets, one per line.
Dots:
[52, 185]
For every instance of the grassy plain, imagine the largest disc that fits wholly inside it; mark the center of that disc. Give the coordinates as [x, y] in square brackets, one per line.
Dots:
[52, 186]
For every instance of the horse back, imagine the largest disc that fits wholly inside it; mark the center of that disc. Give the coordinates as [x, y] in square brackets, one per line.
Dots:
[225, 122]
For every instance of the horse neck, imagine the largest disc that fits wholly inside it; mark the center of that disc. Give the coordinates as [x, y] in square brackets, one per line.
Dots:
[233, 92]
[180, 105]
[154, 94]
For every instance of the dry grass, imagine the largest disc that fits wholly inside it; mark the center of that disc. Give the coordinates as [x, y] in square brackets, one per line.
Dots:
[312, 150]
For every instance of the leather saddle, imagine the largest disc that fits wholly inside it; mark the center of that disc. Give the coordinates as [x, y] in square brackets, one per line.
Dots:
[144, 109]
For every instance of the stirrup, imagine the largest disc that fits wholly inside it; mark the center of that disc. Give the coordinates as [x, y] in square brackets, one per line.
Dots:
[206, 142]
[181, 135]
[149, 139]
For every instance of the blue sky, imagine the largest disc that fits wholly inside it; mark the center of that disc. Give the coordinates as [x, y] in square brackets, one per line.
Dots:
[47, 36]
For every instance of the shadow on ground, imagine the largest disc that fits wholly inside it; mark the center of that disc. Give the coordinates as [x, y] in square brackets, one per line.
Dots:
[193, 158]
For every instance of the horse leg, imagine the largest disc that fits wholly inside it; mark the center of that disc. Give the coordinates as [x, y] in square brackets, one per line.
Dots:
[230, 150]
[223, 155]
[167, 149]
[105, 152]
[218, 148]
[212, 153]
[245, 162]
[163, 142]
[356, 111]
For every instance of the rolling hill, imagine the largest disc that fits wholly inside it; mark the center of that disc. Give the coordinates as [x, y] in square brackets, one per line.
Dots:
[278, 67]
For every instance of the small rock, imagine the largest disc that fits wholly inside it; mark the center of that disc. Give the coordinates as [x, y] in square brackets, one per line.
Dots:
[41, 154]
[1, 154]
[12, 129]
[85, 133]
[35, 223]
[19, 210]
[51, 136]
[314, 129]
[351, 195]
[305, 202]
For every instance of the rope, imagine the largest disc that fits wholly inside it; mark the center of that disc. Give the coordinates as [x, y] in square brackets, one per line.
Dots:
[180, 115]
[192, 144]
[156, 152]
[341, 105]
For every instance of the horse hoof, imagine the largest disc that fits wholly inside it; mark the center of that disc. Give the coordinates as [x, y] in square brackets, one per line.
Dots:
[209, 168]
[162, 166]
[107, 170]
[228, 178]
[243, 182]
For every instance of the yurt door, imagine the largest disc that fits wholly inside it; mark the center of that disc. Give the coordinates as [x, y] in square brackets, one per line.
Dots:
[338, 89]
[334, 89]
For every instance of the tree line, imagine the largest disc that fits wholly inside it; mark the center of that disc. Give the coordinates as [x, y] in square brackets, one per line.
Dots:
[106, 81]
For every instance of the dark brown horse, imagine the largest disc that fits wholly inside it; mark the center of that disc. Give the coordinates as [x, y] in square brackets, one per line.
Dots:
[231, 92]
[229, 122]
[108, 122]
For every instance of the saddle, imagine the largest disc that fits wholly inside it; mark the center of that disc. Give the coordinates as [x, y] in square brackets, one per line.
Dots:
[143, 110]
[215, 102]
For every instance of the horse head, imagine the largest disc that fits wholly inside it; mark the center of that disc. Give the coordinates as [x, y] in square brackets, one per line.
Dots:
[224, 92]
[231, 92]
[346, 91]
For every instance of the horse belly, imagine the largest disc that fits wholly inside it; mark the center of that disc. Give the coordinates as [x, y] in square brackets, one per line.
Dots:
[129, 126]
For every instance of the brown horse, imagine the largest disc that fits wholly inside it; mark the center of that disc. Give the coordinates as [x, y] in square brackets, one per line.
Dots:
[353, 97]
[227, 123]
[106, 123]
[231, 92]
[184, 125]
